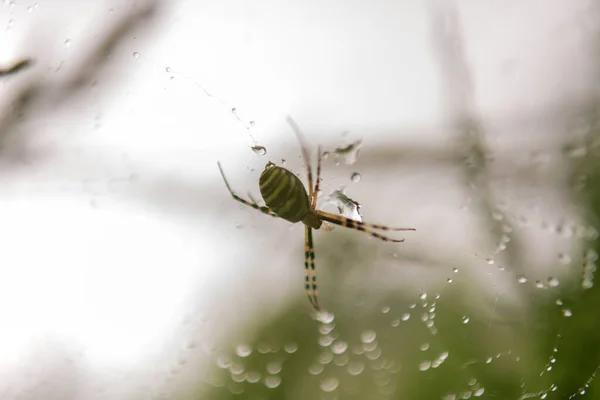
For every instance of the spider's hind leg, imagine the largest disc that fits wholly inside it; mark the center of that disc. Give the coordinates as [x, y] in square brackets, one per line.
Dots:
[310, 275]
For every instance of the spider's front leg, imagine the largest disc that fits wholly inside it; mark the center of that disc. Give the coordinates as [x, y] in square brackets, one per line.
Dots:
[252, 203]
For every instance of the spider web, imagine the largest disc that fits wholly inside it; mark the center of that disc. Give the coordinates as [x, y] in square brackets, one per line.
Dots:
[494, 296]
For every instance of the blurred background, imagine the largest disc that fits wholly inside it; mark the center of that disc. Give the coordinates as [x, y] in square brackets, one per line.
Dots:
[127, 271]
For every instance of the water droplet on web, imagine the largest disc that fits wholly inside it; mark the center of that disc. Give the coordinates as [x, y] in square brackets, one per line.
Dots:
[67, 43]
[355, 367]
[339, 347]
[253, 377]
[349, 153]
[243, 350]
[567, 312]
[136, 55]
[385, 309]
[325, 317]
[539, 285]
[355, 177]
[274, 367]
[521, 279]
[252, 123]
[272, 381]
[329, 384]
[465, 320]
[345, 205]
[325, 341]
[424, 346]
[449, 280]
[290, 347]
[368, 336]
[424, 365]
[553, 281]
[236, 368]
[168, 69]
[259, 150]
[316, 369]
[423, 296]
[405, 317]
[455, 270]
[564, 258]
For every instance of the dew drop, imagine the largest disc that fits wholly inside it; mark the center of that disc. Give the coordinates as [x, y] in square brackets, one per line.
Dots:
[253, 377]
[521, 279]
[423, 296]
[539, 285]
[68, 43]
[243, 350]
[290, 347]
[564, 258]
[479, 392]
[136, 55]
[455, 270]
[449, 280]
[349, 153]
[567, 312]
[325, 317]
[465, 320]
[405, 317]
[355, 177]
[424, 346]
[325, 357]
[329, 384]
[339, 347]
[385, 309]
[553, 281]
[395, 322]
[368, 336]
[274, 367]
[236, 368]
[345, 205]
[316, 369]
[259, 150]
[272, 381]
[168, 69]
[424, 365]
[355, 367]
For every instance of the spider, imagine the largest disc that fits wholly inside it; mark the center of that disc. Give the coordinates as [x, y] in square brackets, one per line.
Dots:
[285, 197]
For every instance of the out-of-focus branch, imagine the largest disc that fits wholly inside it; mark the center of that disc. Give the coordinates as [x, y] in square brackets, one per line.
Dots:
[38, 87]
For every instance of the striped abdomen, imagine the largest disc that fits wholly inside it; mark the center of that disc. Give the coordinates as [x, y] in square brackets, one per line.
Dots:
[284, 193]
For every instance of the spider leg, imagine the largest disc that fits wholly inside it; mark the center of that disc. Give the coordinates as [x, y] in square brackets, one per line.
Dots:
[315, 194]
[252, 203]
[310, 276]
[305, 154]
[361, 226]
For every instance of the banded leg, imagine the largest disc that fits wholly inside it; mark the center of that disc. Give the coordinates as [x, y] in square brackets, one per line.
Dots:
[315, 194]
[252, 203]
[305, 154]
[310, 275]
[361, 226]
